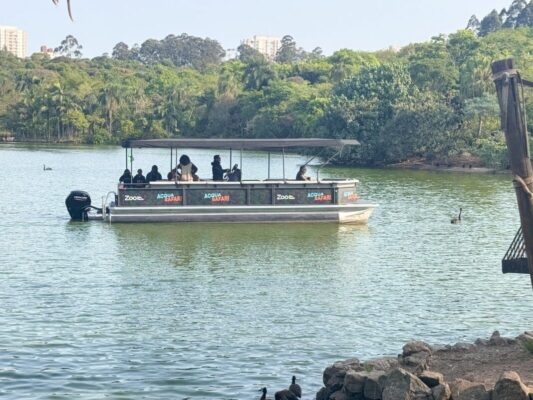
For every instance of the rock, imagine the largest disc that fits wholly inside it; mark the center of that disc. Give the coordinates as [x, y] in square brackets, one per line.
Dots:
[322, 394]
[459, 346]
[510, 387]
[481, 342]
[354, 383]
[417, 360]
[402, 385]
[338, 395]
[441, 392]
[374, 385]
[496, 339]
[381, 364]
[333, 376]
[431, 378]
[527, 336]
[416, 347]
[466, 390]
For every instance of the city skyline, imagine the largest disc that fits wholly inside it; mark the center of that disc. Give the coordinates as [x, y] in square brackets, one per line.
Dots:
[332, 26]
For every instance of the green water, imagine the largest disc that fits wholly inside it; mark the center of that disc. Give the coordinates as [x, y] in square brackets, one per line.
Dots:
[91, 310]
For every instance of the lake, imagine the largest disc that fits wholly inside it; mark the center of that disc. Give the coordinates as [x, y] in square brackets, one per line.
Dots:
[92, 310]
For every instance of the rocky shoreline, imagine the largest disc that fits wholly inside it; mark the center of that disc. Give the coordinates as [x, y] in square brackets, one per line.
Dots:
[497, 368]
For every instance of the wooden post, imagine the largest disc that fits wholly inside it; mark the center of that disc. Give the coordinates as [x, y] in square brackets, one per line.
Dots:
[508, 88]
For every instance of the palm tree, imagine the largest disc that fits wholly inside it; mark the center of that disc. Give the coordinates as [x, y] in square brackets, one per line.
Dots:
[68, 7]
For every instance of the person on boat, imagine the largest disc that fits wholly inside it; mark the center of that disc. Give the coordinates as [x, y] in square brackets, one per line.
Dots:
[235, 174]
[218, 171]
[300, 176]
[153, 175]
[139, 180]
[187, 169]
[125, 178]
[173, 175]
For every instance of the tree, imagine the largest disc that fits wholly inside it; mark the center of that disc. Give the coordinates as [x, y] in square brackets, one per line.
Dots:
[288, 52]
[69, 47]
[473, 24]
[513, 12]
[248, 54]
[525, 18]
[316, 54]
[490, 23]
[121, 51]
[258, 74]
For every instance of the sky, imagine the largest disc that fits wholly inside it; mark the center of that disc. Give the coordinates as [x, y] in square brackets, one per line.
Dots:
[330, 24]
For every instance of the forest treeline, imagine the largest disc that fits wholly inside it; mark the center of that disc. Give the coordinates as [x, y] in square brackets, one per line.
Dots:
[433, 101]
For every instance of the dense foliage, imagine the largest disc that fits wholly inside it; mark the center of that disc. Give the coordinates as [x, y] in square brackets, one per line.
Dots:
[432, 101]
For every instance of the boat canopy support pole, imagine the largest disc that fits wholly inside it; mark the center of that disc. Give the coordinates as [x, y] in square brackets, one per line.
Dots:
[327, 162]
[241, 165]
[269, 165]
[127, 158]
[230, 158]
[283, 152]
[171, 159]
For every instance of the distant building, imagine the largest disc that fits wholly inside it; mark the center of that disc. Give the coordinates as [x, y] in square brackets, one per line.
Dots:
[266, 45]
[48, 51]
[13, 40]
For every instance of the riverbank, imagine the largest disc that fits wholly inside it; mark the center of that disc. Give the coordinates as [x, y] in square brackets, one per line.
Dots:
[497, 368]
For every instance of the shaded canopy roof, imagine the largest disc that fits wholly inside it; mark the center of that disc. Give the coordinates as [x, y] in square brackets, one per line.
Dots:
[238, 143]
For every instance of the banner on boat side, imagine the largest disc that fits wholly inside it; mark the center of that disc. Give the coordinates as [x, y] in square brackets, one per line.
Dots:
[303, 196]
[216, 197]
[147, 197]
[347, 196]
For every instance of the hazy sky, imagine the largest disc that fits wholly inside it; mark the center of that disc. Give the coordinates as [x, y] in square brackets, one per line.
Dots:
[329, 24]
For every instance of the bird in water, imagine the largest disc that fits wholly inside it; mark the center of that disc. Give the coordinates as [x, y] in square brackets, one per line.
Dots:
[456, 220]
[295, 388]
[264, 395]
[294, 392]
[45, 168]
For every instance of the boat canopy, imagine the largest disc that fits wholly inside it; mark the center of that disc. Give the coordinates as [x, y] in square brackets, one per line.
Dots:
[238, 143]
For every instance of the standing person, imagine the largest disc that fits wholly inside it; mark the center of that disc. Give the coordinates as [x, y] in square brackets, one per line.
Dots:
[153, 175]
[139, 180]
[125, 178]
[218, 171]
[187, 169]
[300, 176]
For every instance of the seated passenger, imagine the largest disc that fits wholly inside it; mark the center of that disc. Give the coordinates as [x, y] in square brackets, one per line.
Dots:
[125, 178]
[218, 171]
[139, 180]
[187, 169]
[300, 176]
[153, 175]
[235, 174]
[172, 175]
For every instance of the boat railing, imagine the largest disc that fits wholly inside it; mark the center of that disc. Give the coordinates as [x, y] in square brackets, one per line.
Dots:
[243, 183]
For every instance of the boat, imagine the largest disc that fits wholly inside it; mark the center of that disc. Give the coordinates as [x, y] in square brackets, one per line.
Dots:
[246, 200]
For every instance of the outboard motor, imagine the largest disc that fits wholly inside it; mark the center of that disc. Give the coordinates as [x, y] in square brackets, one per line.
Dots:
[78, 204]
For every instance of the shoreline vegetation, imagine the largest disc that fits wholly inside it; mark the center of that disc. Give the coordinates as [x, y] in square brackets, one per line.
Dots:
[433, 101]
[497, 368]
